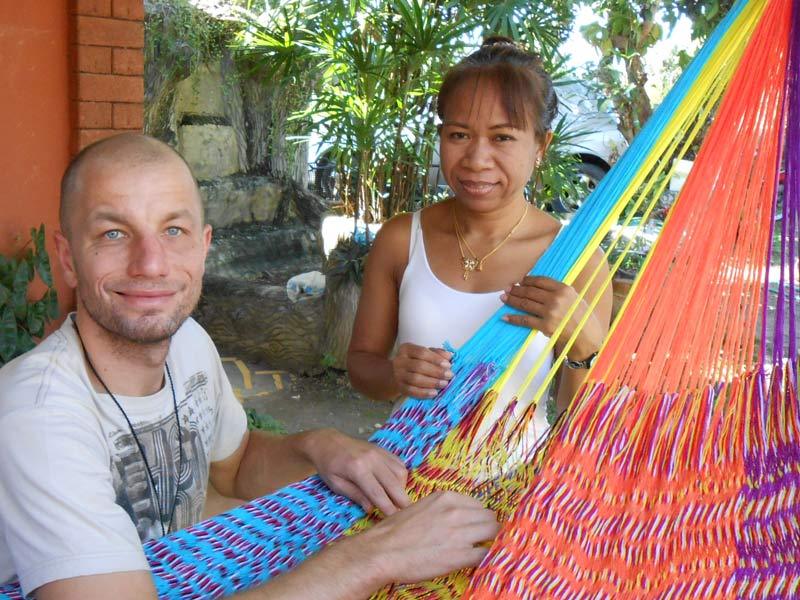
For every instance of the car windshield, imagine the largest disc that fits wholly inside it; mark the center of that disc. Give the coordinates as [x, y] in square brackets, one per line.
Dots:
[579, 98]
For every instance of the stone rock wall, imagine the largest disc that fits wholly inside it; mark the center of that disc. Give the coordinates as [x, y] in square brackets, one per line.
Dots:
[259, 323]
[244, 305]
[239, 199]
[210, 149]
[248, 251]
[235, 200]
[206, 137]
[266, 229]
[201, 93]
[207, 112]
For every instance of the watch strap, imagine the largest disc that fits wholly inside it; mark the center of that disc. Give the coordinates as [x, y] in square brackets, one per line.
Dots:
[587, 363]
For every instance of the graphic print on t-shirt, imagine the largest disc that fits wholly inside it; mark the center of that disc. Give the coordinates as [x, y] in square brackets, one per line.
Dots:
[160, 442]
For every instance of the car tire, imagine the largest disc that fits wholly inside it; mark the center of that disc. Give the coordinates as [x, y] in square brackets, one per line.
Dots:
[588, 173]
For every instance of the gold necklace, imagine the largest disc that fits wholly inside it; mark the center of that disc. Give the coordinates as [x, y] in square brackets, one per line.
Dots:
[470, 262]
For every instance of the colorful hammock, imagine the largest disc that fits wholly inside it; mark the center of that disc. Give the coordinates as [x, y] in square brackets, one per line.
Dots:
[677, 474]
[626, 432]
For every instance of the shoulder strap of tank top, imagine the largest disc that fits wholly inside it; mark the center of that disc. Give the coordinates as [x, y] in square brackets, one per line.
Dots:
[416, 232]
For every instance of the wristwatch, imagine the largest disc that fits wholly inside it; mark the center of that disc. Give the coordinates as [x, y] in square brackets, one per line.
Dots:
[587, 363]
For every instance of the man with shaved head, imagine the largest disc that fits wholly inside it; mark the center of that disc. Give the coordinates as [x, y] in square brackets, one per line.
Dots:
[111, 429]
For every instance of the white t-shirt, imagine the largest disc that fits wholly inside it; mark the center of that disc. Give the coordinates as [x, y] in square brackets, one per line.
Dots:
[75, 497]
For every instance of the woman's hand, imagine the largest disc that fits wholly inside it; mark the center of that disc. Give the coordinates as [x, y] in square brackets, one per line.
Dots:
[547, 302]
[421, 372]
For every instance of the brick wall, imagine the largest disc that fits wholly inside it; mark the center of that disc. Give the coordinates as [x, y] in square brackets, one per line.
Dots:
[108, 68]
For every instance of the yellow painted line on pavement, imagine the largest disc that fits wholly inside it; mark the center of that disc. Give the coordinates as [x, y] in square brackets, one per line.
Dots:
[247, 379]
[276, 377]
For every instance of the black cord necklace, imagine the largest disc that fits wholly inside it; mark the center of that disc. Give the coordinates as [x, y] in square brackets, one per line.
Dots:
[139, 444]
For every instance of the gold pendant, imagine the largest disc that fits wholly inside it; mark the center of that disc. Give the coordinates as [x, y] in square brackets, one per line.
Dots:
[469, 264]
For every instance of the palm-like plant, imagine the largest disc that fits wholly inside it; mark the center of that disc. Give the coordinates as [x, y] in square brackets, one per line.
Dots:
[374, 67]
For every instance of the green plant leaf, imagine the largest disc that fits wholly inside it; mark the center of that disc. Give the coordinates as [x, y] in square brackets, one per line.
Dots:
[22, 277]
[20, 290]
[51, 303]
[263, 422]
[43, 269]
[42, 261]
[38, 237]
[24, 342]
[21, 311]
[20, 318]
[8, 334]
[34, 320]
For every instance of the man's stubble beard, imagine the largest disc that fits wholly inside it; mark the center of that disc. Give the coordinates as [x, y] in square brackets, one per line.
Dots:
[144, 330]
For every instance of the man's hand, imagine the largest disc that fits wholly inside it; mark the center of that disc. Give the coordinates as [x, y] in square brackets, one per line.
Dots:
[437, 535]
[364, 472]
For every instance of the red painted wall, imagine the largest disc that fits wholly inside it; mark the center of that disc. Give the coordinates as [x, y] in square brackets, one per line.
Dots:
[70, 73]
[35, 121]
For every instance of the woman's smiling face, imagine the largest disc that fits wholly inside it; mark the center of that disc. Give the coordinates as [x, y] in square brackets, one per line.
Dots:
[486, 160]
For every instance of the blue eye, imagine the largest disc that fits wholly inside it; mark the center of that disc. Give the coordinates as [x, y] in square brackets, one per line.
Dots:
[174, 231]
[113, 234]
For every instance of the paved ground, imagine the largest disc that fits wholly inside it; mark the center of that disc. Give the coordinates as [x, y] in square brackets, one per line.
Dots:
[299, 403]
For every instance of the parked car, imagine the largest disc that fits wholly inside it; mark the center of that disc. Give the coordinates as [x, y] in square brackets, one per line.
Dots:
[590, 135]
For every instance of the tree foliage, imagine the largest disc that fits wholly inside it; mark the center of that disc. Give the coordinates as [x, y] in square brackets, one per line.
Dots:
[376, 67]
[362, 75]
[627, 31]
[704, 14]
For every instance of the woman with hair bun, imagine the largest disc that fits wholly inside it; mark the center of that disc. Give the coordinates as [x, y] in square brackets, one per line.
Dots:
[438, 274]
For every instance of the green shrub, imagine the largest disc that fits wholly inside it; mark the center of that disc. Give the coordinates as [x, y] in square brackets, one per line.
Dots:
[21, 319]
[263, 422]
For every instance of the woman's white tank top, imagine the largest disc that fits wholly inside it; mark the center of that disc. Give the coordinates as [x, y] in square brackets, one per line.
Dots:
[432, 313]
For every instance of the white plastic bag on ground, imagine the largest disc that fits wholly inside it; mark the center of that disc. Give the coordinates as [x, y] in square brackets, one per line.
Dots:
[305, 284]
